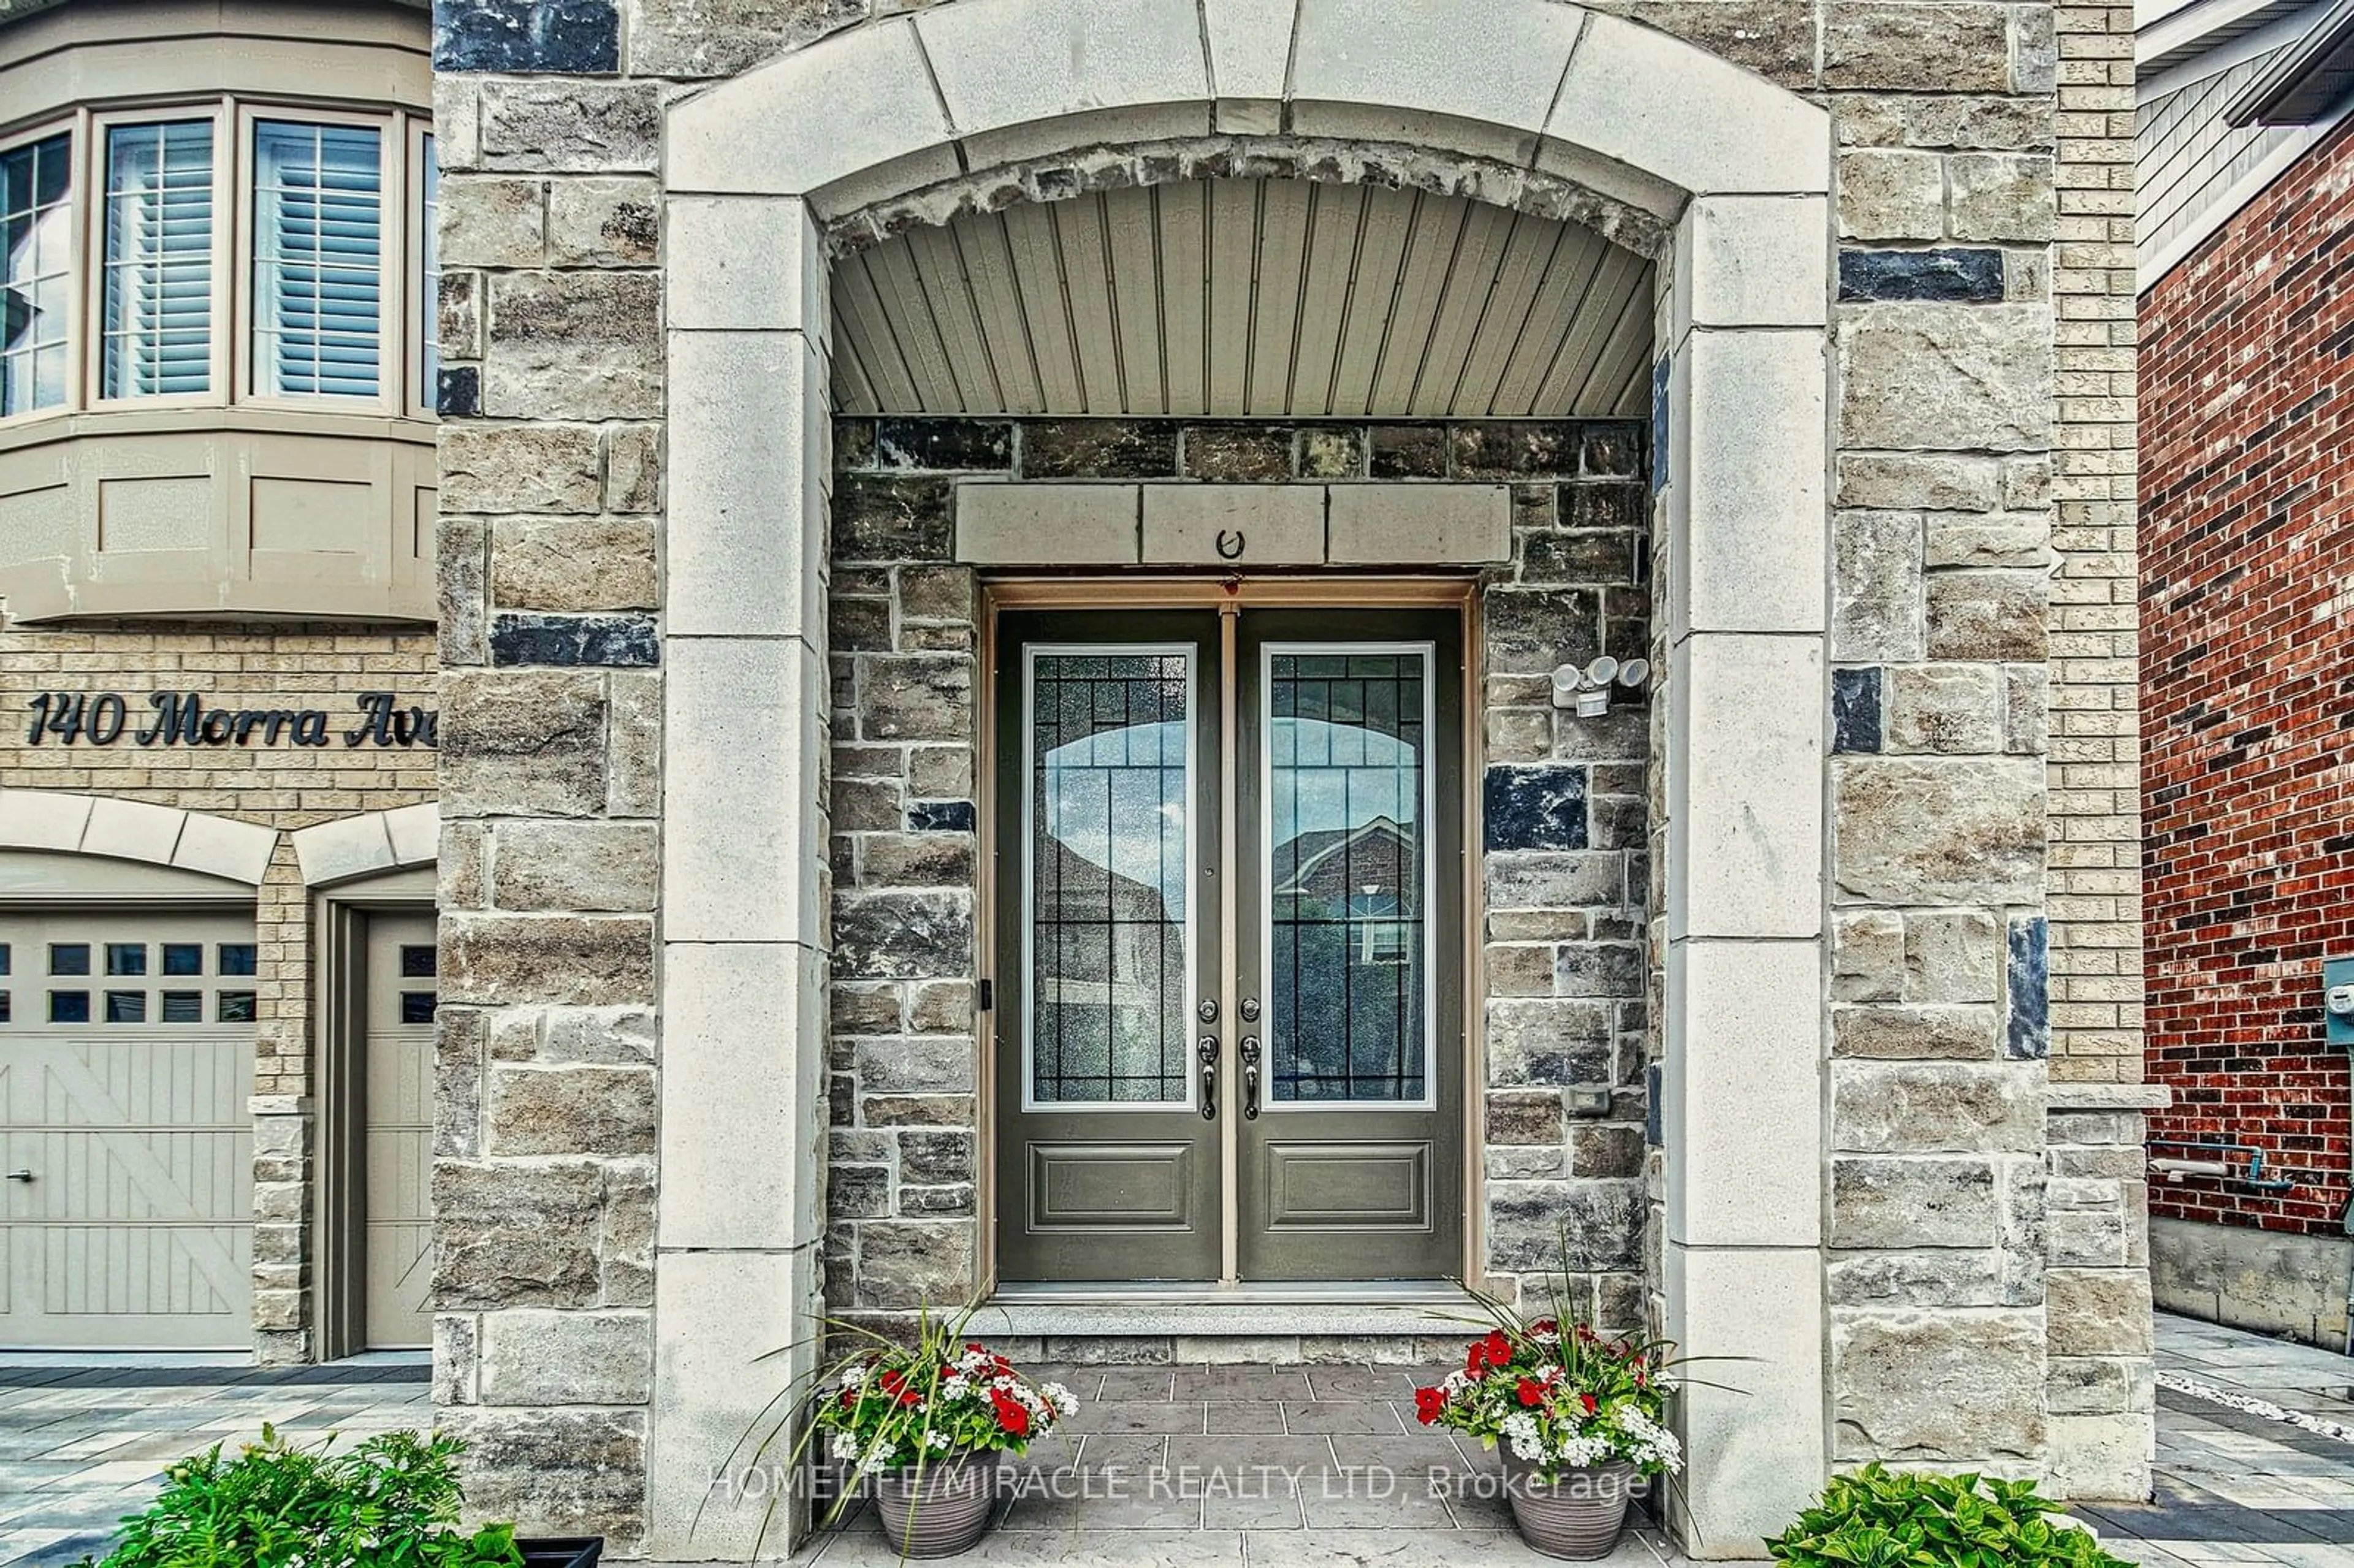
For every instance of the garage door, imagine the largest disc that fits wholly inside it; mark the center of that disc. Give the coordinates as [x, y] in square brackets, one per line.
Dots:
[126, 1059]
[399, 1078]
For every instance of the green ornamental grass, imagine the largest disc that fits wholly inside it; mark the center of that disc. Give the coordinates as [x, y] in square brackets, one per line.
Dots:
[388, 1502]
[1877, 1517]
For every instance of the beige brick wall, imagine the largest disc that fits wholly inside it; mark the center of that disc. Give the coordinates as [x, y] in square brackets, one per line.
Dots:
[283, 786]
[2096, 857]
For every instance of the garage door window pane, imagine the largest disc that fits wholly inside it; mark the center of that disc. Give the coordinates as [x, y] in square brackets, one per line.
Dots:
[234, 1007]
[417, 1007]
[126, 1007]
[184, 1007]
[69, 1007]
[126, 958]
[237, 958]
[3, 958]
[70, 957]
[3, 1007]
[416, 961]
[184, 958]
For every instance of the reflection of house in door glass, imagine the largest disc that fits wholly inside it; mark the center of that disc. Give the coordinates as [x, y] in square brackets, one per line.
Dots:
[1344, 785]
[1107, 878]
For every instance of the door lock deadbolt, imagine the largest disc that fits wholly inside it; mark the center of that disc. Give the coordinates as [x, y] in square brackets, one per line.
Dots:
[1250, 1010]
[1208, 1010]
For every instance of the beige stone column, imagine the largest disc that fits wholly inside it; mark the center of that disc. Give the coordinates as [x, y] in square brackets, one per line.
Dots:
[1745, 463]
[741, 1210]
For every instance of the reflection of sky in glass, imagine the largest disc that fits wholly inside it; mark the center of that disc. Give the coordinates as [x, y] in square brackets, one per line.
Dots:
[1343, 777]
[1117, 800]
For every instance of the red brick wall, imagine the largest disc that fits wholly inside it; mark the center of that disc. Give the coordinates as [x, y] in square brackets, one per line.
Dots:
[2247, 564]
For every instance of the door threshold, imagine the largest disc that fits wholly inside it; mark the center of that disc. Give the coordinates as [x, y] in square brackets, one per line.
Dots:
[1263, 1292]
[1266, 1311]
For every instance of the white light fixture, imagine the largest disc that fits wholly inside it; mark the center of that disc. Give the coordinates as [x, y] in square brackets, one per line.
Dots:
[1589, 690]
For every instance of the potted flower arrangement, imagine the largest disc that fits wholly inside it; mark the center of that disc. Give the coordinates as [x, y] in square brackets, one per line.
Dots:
[928, 1422]
[1579, 1418]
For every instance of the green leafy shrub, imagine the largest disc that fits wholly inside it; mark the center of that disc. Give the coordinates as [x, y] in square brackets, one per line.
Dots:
[389, 1503]
[1875, 1518]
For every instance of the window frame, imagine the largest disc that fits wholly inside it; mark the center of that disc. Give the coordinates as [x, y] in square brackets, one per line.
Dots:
[392, 252]
[421, 309]
[404, 132]
[76, 128]
[91, 355]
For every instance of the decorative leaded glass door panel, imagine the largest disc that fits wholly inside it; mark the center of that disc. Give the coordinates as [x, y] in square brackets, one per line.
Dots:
[1180, 1101]
[1108, 939]
[1349, 860]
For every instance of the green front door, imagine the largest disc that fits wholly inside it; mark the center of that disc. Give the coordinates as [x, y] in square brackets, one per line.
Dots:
[1180, 1101]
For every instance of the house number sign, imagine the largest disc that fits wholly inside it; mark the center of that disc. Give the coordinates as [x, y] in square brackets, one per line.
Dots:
[184, 718]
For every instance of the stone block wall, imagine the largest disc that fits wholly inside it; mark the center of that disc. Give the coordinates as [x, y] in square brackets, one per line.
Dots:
[277, 784]
[551, 492]
[1566, 884]
[1976, 377]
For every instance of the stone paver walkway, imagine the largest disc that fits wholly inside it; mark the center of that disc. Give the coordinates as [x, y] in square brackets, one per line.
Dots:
[81, 1447]
[1197, 1465]
[1285, 1468]
[2236, 1486]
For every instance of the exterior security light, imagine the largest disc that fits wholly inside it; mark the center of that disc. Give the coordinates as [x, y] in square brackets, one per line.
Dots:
[1588, 689]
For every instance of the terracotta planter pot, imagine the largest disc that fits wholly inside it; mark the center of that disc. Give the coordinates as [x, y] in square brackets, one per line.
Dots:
[941, 1512]
[1580, 1515]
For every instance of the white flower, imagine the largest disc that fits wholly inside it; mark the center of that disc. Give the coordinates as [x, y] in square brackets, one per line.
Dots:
[846, 1447]
[1065, 1402]
[937, 1439]
[855, 1377]
[954, 1387]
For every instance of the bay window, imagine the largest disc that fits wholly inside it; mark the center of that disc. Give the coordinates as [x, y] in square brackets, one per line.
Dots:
[36, 247]
[158, 290]
[218, 253]
[318, 260]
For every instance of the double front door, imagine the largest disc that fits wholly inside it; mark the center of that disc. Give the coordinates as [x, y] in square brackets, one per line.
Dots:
[1229, 879]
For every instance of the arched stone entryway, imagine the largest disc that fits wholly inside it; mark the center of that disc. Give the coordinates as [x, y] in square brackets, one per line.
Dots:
[1732, 169]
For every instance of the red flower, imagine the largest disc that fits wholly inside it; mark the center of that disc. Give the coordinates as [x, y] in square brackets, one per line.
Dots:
[1532, 1391]
[1590, 1402]
[1011, 1415]
[1544, 1326]
[1495, 1350]
[1427, 1403]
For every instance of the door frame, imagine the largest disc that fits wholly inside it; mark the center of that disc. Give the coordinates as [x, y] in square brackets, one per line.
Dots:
[339, 1188]
[1231, 593]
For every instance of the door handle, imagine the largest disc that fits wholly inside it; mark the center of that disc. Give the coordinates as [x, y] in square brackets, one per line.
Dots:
[1251, 1077]
[20, 1176]
[1208, 1050]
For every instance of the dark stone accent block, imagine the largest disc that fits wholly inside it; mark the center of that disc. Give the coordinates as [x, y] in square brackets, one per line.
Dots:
[1516, 448]
[902, 936]
[573, 38]
[1409, 452]
[1612, 452]
[1100, 449]
[1947, 277]
[1659, 424]
[941, 817]
[955, 446]
[1539, 806]
[1238, 454]
[458, 392]
[614, 642]
[881, 518]
[1855, 709]
[2027, 1034]
[1654, 1132]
